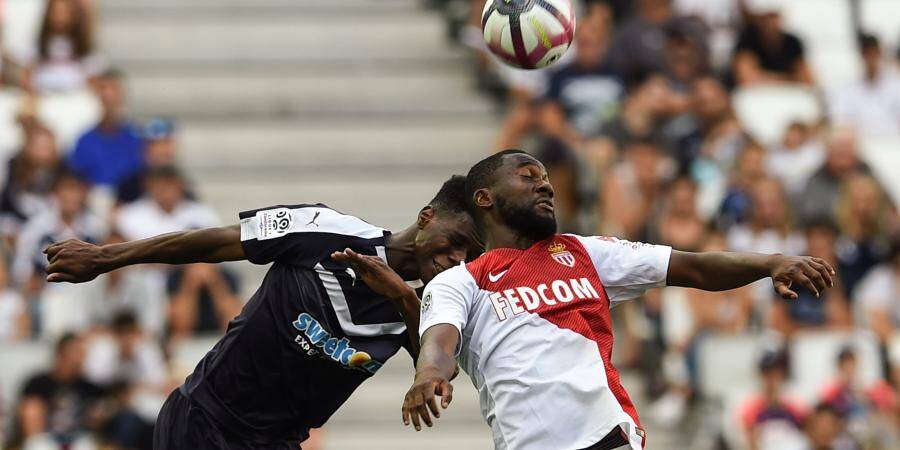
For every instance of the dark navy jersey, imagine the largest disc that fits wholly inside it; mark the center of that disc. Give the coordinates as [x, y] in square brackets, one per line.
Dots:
[308, 337]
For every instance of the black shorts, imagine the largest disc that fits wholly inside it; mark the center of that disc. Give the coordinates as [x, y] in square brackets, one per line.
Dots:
[182, 425]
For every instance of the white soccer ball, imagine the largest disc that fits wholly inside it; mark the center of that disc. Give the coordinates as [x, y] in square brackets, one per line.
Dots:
[529, 34]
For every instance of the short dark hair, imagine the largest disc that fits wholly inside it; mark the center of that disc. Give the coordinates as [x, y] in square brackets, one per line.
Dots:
[65, 173]
[481, 175]
[451, 198]
[168, 172]
[867, 41]
[65, 340]
[124, 321]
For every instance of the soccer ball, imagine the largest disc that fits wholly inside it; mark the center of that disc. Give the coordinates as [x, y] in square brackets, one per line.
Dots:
[528, 34]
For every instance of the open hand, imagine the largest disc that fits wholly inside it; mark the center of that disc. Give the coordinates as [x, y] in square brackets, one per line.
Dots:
[815, 274]
[420, 399]
[373, 271]
[74, 261]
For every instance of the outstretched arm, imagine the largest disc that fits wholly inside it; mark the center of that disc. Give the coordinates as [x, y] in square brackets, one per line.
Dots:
[75, 261]
[719, 271]
[434, 370]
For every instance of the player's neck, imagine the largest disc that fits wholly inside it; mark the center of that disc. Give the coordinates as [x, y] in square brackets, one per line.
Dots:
[400, 249]
[501, 236]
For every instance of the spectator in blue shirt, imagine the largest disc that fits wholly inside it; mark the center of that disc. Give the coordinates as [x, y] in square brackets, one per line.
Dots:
[113, 150]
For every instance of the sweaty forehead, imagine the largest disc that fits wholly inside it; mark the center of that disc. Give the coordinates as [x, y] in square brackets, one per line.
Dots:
[519, 160]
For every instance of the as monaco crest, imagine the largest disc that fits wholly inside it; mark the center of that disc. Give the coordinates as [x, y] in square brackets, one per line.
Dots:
[561, 255]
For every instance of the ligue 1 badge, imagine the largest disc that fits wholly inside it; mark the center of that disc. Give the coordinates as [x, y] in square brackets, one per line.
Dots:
[561, 255]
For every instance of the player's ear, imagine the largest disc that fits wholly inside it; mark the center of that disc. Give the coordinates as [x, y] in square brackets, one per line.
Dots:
[425, 215]
[483, 198]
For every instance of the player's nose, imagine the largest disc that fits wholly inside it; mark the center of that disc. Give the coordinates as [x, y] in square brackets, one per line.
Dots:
[545, 188]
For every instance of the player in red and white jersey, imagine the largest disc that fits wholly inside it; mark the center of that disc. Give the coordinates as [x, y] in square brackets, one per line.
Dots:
[529, 320]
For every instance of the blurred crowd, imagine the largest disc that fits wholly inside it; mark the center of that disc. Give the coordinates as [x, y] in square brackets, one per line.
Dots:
[639, 129]
[119, 179]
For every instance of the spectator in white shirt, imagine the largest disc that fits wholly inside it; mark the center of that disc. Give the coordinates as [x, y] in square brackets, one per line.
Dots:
[796, 159]
[879, 296]
[164, 208]
[871, 104]
[68, 217]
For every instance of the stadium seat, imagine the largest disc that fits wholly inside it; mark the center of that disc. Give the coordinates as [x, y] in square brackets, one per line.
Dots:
[69, 115]
[882, 17]
[883, 156]
[814, 356]
[766, 111]
[187, 353]
[10, 136]
[20, 361]
[727, 364]
[827, 33]
[19, 36]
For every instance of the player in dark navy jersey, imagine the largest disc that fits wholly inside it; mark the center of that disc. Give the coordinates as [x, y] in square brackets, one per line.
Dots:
[332, 309]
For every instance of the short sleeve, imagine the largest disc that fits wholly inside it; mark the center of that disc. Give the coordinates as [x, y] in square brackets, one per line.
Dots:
[628, 269]
[302, 235]
[447, 300]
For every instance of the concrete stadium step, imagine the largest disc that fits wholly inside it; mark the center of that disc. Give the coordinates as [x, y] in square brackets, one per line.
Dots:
[387, 38]
[181, 8]
[230, 95]
[321, 145]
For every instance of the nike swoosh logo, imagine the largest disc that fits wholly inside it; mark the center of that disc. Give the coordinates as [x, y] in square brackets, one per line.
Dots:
[495, 278]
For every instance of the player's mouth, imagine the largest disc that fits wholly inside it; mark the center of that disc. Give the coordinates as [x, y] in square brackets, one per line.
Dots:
[546, 204]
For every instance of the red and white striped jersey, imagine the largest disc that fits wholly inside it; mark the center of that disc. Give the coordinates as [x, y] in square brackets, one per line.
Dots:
[536, 336]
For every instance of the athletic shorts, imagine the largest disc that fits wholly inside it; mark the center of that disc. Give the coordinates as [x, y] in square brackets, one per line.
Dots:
[182, 425]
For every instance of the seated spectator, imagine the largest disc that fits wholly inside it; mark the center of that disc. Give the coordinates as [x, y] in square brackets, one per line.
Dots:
[65, 58]
[770, 418]
[645, 114]
[716, 139]
[685, 60]
[202, 300]
[711, 313]
[807, 311]
[159, 150]
[202, 297]
[749, 167]
[721, 19]
[826, 429]
[871, 104]
[583, 95]
[638, 45]
[126, 356]
[877, 295]
[769, 228]
[15, 323]
[632, 188]
[112, 150]
[823, 188]
[67, 218]
[29, 179]
[165, 208]
[796, 159]
[862, 405]
[59, 408]
[677, 222]
[765, 53]
[865, 217]
[131, 363]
